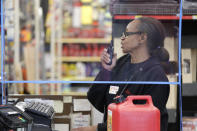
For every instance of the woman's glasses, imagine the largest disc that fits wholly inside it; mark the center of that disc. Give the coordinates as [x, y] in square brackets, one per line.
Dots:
[125, 34]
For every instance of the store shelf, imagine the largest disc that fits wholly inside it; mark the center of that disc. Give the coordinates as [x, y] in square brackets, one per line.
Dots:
[189, 11]
[80, 59]
[75, 78]
[189, 41]
[78, 78]
[189, 104]
[74, 94]
[189, 89]
[145, 8]
[86, 40]
[69, 93]
[159, 17]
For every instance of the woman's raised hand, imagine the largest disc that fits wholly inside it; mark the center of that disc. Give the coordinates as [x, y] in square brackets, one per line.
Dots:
[105, 58]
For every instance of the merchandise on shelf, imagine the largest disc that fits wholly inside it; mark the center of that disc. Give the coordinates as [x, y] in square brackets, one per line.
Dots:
[162, 7]
[189, 4]
[189, 124]
[86, 13]
[9, 39]
[86, 19]
[80, 70]
[83, 49]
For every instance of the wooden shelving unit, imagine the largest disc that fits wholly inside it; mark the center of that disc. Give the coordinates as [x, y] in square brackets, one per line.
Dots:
[86, 40]
[80, 59]
[78, 78]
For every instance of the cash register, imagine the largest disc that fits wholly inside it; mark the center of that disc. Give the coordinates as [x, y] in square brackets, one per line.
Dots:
[30, 116]
[12, 118]
[36, 116]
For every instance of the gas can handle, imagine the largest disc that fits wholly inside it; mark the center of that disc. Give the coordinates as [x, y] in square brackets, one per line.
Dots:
[148, 98]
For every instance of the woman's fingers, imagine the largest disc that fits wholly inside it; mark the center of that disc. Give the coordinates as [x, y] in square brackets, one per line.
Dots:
[105, 56]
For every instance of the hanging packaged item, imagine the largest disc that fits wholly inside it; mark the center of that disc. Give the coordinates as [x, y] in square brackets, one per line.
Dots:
[86, 12]
[95, 11]
[25, 34]
[76, 23]
[124, 115]
[86, 15]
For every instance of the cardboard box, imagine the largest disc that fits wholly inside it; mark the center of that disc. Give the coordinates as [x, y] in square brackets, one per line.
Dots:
[188, 65]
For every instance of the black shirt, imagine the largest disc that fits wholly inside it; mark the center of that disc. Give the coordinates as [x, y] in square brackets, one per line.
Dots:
[149, 70]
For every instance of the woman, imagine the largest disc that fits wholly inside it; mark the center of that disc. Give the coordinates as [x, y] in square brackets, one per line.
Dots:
[143, 43]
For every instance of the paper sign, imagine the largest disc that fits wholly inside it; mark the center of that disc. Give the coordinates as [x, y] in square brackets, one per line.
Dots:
[62, 127]
[79, 120]
[81, 105]
[67, 99]
[58, 106]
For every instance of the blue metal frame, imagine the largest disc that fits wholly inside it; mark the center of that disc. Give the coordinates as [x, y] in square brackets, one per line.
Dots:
[180, 85]
[2, 50]
[97, 82]
[119, 82]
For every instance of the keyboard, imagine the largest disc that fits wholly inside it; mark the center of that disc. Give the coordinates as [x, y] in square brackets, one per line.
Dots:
[40, 109]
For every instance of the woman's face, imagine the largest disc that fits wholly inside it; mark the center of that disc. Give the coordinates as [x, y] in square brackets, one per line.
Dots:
[130, 40]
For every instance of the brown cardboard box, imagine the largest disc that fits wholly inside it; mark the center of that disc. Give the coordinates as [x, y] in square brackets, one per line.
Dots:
[189, 65]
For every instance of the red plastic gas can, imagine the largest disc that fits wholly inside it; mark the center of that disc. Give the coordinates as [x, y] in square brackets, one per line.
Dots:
[127, 116]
